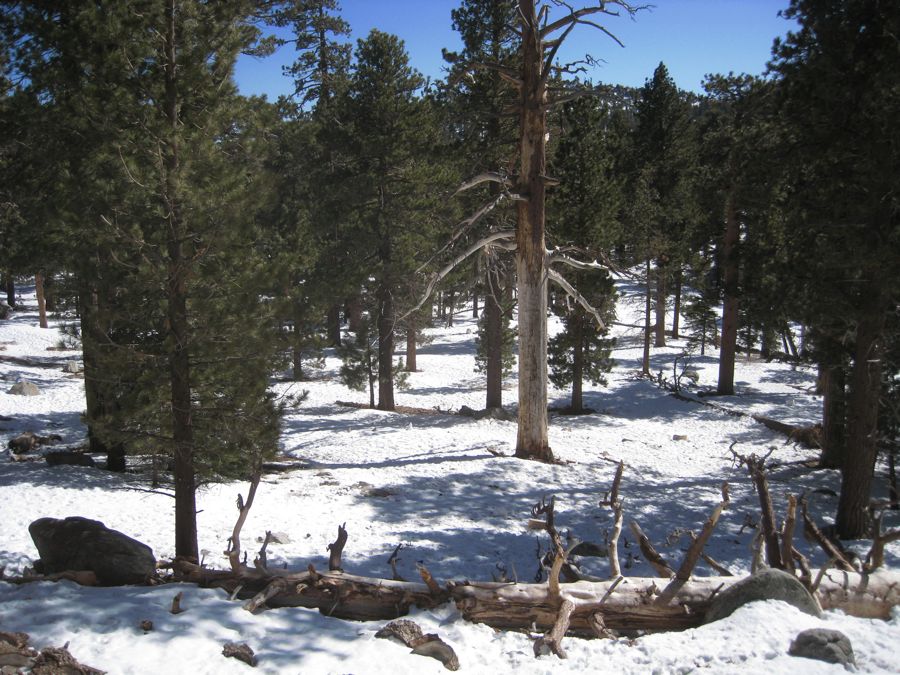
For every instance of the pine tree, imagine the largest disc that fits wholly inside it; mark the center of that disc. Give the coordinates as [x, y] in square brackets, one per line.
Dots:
[839, 93]
[486, 143]
[388, 131]
[165, 187]
[663, 155]
[585, 215]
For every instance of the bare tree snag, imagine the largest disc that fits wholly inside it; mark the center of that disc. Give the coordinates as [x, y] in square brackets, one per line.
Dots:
[337, 548]
[649, 552]
[234, 543]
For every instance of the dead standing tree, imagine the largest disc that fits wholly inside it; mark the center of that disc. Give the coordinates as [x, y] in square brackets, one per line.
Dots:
[543, 27]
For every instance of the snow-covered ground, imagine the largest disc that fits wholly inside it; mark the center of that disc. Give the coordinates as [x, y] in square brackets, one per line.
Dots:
[432, 482]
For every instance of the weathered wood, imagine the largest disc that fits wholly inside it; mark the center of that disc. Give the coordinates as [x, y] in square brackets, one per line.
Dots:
[336, 549]
[635, 605]
[831, 550]
[787, 534]
[552, 641]
[649, 552]
[696, 548]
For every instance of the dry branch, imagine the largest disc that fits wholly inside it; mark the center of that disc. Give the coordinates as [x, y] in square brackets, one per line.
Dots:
[578, 297]
[234, 543]
[787, 534]
[650, 554]
[615, 569]
[337, 548]
[696, 548]
[832, 551]
[875, 558]
[551, 642]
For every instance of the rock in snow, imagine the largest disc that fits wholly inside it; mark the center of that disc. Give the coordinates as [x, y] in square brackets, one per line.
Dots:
[768, 584]
[823, 644]
[82, 544]
[24, 388]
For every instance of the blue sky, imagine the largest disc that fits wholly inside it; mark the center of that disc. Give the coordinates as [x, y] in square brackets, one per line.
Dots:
[692, 37]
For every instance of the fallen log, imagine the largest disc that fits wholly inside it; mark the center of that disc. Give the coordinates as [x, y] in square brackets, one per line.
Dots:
[634, 604]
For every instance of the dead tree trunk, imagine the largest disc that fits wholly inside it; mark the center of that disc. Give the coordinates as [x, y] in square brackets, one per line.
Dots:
[531, 440]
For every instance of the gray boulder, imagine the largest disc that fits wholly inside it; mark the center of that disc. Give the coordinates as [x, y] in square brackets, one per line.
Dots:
[82, 544]
[24, 388]
[769, 584]
[823, 644]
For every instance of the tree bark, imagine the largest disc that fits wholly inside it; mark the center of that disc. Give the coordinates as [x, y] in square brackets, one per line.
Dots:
[179, 327]
[385, 347]
[729, 260]
[493, 338]
[333, 322]
[676, 312]
[852, 518]
[354, 313]
[296, 352]
[834, 430]
[41, 301]
[531, 441]
[661, 291]
[98, 401]
[451, 304]
[577, 402]
[645, 360]
[9, 286]
[411, 345]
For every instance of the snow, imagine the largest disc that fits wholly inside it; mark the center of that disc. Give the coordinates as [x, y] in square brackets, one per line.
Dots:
[432, 483]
